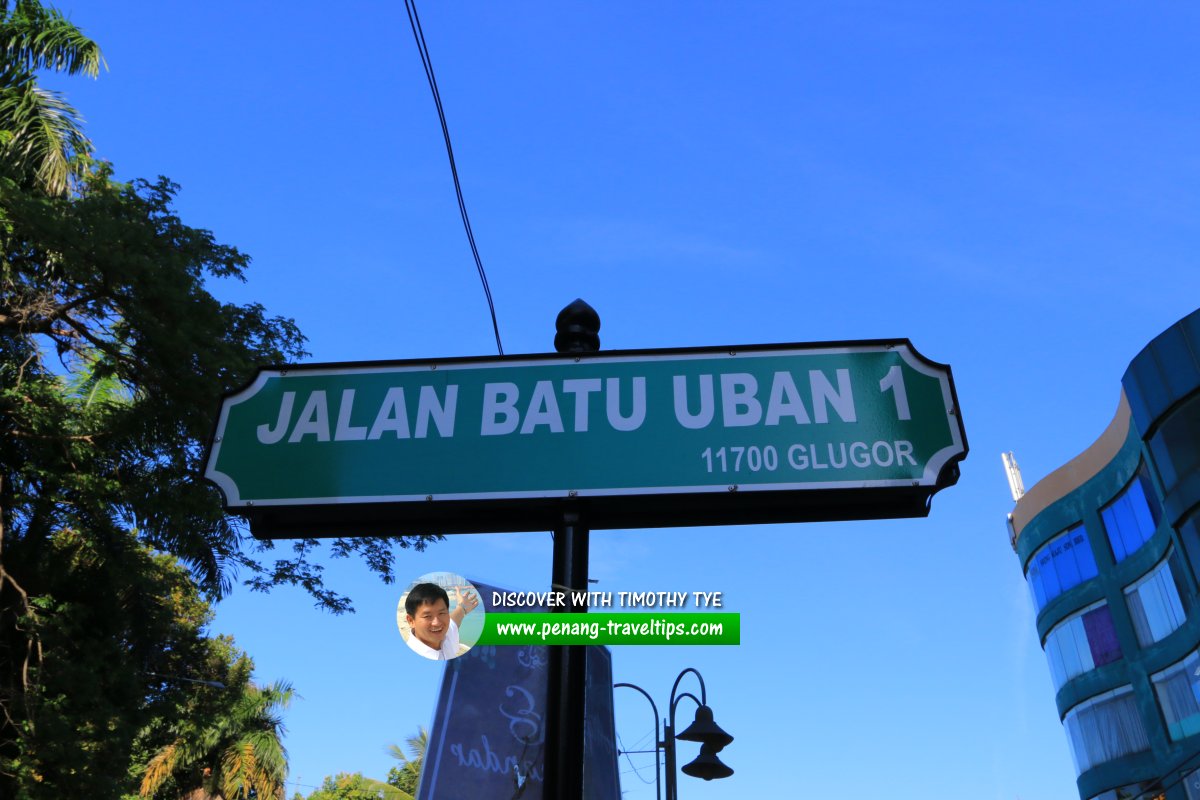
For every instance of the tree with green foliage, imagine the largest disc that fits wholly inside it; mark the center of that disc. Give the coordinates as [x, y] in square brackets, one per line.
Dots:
[227, 744]
[345, 786]
[100, 435]
[407, 775]
[81, 683]
[113, 358]
[40, 133]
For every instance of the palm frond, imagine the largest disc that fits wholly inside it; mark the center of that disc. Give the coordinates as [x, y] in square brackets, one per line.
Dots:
[44, 133]
[385, 791]
[274, 698]
[34, 37]
[416, 748]
[417, 745]
[159, 770]
[269, 754]
[237, 763]
[255, 766]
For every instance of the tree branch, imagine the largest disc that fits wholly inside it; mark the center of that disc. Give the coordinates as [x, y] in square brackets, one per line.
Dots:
[100, 344]
[61, 310]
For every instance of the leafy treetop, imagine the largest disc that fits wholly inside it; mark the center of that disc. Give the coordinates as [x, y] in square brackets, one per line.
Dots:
[40, 133]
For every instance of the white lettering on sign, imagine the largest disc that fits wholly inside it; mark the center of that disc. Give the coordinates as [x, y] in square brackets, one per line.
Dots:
[391, 417]
[612, 397]
[543, 409]
[345, 431]
[500, 409]
[314, 419]
[441, 414]
[894, 381]
[683, 411]
[581, 388]
[741, 408]
[785, 401]
[731, 399]
[502, 412]
[842, 400]
[269, 435]
[858, 454]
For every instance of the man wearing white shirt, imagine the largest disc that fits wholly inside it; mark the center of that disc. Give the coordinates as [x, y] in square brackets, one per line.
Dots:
[434, 627]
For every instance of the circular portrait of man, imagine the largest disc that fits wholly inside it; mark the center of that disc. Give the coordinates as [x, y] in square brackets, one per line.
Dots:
[439, 616]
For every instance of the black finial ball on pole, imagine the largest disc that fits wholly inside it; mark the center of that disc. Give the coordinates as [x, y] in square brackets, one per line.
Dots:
[578, 327]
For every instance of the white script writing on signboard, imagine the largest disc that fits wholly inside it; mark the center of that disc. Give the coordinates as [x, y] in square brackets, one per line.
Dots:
[525, 725]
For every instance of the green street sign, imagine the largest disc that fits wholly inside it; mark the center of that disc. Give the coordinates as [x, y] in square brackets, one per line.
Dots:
[626, 438]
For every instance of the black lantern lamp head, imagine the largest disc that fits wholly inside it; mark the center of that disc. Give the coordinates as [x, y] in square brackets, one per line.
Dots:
[708, 733]
[707, 765]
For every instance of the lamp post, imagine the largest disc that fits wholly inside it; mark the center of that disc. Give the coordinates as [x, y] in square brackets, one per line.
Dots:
[703, 729]
[213, 684]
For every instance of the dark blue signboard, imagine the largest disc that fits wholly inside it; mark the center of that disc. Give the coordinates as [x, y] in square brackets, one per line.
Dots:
[488, 732]
[600, 781]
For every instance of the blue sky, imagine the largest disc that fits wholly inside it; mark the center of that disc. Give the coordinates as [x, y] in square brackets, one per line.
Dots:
[1012, 186]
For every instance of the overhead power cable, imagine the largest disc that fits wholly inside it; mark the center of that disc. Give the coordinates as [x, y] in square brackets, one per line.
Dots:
[415, 22]
[621, 751]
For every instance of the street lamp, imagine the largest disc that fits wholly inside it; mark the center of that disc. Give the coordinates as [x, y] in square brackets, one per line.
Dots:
[213, 684]
[703, 729]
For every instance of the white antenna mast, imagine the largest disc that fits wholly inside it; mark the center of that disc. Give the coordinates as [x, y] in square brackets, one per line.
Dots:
[1015, 485]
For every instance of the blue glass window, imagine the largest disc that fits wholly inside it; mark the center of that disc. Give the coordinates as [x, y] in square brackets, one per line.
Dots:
[1130, 519]
[1105, 727]
[1154, 603]
[1063, 562]
[1178, 687]
[1080, 643]
[1066, 566]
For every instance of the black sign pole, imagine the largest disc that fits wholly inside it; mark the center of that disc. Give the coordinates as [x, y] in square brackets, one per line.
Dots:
[568, 671]
[578, 328]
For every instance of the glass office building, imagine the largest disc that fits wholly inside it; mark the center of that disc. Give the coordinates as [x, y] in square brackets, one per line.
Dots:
[1110, 547]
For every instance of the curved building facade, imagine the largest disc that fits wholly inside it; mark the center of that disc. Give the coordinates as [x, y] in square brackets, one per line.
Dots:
[1110, 547]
